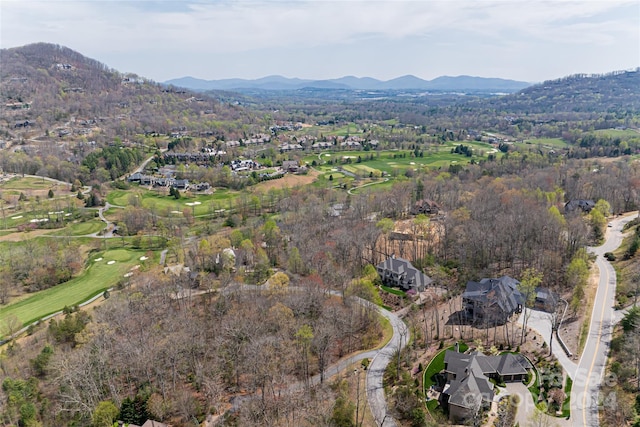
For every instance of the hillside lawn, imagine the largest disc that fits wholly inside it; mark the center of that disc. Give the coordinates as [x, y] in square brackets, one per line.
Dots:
[96, 278]
[392, 163]
[81, 228]
[205, 203]
[28, 183]
[547, 142]
[618, 133]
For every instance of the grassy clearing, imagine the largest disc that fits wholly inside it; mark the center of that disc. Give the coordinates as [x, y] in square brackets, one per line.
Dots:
[397, 162]
[618, 133]
[548, 142]
[98, 277]
[26, 183]
[200, 204]
[81, 228]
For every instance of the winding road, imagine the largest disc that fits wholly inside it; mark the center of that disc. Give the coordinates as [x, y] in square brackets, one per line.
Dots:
[589, 375]
[380, 358]
[375, 372]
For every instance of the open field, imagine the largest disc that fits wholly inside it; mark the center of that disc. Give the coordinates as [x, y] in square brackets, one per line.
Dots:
[200, 204]
[32, 187]
[547, 142]
[99, 276]
[81, 228]
[288, 180]
[618, 133]
[391, 163]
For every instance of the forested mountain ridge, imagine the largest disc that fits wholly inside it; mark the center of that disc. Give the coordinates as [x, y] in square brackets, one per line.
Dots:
[613, 92]
[57, 106]
[50, 88]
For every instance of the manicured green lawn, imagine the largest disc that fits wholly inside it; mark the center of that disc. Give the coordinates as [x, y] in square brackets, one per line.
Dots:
[393, 291]
[27, 183]
[437, 364]
[81, 228]
[535, 388]
[393, 162]
[199, 204]
[98, 277]
[551, 142]
[618, 133]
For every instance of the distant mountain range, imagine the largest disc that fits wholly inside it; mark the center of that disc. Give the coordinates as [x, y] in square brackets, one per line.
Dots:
[409, 82]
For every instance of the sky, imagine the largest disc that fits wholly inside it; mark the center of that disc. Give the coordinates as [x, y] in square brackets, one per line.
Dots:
[527, 40]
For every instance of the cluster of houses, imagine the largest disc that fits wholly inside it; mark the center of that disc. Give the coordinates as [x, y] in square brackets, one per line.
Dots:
[244, 165]
[284, 127]
[260, 138]
[469, 378]
[199, 157]
[179, 184]
[348, 143]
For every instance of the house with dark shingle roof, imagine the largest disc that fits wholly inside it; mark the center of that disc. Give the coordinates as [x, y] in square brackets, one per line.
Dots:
[582, 204]
[468, 386]
[400, 273]
[492, 300]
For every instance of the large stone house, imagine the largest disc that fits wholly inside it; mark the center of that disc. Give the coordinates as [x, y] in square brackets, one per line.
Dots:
[468, 387]
[492, 301]
[400, 273]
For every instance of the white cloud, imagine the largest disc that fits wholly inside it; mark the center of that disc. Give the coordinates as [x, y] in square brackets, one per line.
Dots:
[146, 29]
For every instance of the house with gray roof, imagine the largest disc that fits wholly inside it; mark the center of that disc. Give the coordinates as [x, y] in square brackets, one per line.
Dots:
[400, 273]
[492, 301]
[468, 387]
[585, 205]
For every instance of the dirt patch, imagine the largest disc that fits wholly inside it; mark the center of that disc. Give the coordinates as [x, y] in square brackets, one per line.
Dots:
[19, 236]
[289, 180]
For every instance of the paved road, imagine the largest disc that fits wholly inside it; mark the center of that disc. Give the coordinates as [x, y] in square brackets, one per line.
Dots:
[375, 373]
[591, 368]
[350, 191]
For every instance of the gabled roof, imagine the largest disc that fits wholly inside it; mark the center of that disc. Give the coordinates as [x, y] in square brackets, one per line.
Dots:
[502, 292]
[403, 267]
[504, 364]
[584, 204]
[471, 386]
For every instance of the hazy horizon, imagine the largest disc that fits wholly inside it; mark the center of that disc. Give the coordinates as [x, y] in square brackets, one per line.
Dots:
[319, 40]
